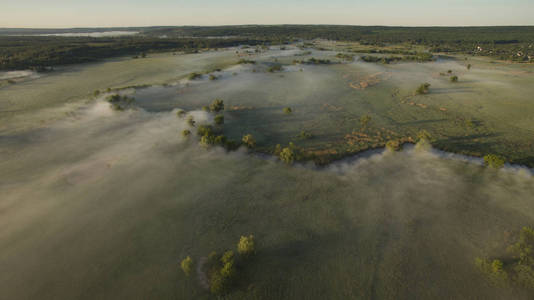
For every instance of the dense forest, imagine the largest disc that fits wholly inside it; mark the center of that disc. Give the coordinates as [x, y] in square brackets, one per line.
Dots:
[19, 51]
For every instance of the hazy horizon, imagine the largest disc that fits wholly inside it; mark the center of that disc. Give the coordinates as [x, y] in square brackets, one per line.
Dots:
[57, 14]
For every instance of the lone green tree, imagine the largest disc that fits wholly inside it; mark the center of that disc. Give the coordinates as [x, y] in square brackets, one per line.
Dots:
[246, 245]
[217, 105]
[249, 141]
[423, 89]
[287, 155]
[287, 110]
[454, 78]
[187, 265]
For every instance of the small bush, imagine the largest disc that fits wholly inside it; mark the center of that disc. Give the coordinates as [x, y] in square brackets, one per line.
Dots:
[191, 121]
[287, 155]
[494, 161]
[194, 76]
[246, 245]
[245, 61]
[364, 121]
[219, 119]
[249, 141]
[186, 133]
[393, 146]
[213, 77]
[305, 135]
[469, 66]
[454, 78]
[423, 89]
[227, 257]
[205, 108]
[204, 130]
[287, 110]
[180, 113]
[217, 105]
[187, 265]
[275, 68]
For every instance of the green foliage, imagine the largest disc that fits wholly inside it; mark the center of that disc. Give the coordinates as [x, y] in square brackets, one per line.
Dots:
[423, 89]
[364, 121]
[454, 78]
[423, 140]
[205, 108]
[217, 105]
[186, 133]
[227, 257]
[218, 284]
[246, 245]
[305, 135]
[220, 140]
[191, 121]
[249, 141]
[494, 161]
[187, 265]
[287, 110]
[194, 76]
[344, 56]
[204, 130]
[469, 67]
[393, 146]
[219, 119]
[213, 77]
[287, 155]
[246, 61]
[120, 103]
[493, 271]
[418, 57]
[180, 113]
[275, 68]
[524, 248]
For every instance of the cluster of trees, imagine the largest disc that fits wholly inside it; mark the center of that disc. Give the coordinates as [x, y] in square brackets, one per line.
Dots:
[517, 270]
[222, 270]
[42, 52]
[313, 61]
[288, 154]
[120, 102]
[421, 57]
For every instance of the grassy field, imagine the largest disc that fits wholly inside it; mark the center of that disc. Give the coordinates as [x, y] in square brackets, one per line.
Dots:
[104, 204]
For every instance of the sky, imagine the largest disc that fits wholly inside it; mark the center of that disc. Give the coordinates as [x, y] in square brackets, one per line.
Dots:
[123, 13]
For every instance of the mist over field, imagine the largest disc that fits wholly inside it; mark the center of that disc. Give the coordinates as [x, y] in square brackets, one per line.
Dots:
[105, 204]
[362, 171]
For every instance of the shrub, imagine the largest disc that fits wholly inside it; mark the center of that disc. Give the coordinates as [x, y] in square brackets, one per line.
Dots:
[207, 140]
[187, 265]
[524, 248]
[287, 110]
[393, 146]
[305, 135]
[219, 119]
[493, 271]
[245, 61]
[228, 271]
[191, 121]
[227, 257]
[249, 141]
[246, 245]
[118, 102]
[194, 76]
[220, 140]
[218, 284]
[186, 133]
[454, 78]
[494, 161]
[364, 121]
[180, 113]
[204, 130]
[217, 105]
[213, 77]
[275, 68]
[205, 108]
[469, 66]
[423, 89]
[287, 155]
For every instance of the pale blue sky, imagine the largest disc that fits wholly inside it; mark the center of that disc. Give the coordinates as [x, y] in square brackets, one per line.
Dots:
[101, 13]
